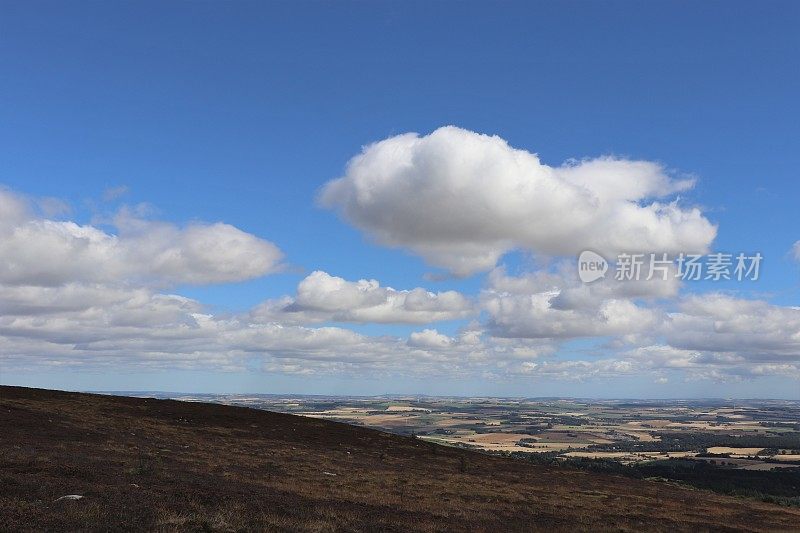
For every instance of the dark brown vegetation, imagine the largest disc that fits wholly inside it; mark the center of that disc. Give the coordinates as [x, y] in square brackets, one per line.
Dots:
[144, 464]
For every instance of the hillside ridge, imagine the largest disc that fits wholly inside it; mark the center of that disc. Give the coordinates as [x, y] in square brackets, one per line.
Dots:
[148, 464]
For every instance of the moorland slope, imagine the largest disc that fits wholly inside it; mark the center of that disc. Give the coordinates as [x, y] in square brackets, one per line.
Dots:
[146, 464]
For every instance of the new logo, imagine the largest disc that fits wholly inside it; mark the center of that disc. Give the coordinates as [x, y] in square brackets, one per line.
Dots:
[591, 266]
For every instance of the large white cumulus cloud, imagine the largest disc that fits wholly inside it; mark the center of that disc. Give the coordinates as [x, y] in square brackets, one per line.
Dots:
[461, 200]
[47, 252]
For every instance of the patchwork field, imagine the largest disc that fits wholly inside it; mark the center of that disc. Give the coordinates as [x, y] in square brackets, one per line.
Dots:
[629, 431]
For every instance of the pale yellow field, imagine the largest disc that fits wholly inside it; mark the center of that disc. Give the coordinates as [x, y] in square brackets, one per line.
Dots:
[734, 451]
[502, 442]
[407, 408]
[674, 454]
[510, 447]
[630, 456]
[499, 438]
[386, 420]
[551, 446]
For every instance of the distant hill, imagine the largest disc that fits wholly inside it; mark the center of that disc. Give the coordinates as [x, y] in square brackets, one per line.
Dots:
[146, 464]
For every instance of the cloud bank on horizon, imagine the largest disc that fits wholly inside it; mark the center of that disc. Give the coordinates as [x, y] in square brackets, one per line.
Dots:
[81, 296]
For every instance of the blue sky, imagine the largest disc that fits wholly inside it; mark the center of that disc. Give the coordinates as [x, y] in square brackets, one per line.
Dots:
[241, 112]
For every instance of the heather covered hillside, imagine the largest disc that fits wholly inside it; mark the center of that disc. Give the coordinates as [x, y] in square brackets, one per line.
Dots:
[167, 465]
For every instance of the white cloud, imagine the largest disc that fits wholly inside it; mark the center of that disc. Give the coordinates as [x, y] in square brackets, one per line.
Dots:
[535, 316]
[663, 356]
[89, 326]
[717, 365]
[35, 300]
[718, 323]
[78, 295]
[46, 252]
[461, 200]
[145, 330]
[796, 250]
[429, 338]
[322, 297]
[557, 305]
[712, 336]
[14, 209]
[575, 370]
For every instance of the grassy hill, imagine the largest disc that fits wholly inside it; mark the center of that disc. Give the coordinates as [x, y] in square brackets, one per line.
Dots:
[147, 464]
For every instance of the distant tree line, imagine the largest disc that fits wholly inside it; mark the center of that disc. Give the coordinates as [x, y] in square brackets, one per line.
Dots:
[698, 442]
[780, 485]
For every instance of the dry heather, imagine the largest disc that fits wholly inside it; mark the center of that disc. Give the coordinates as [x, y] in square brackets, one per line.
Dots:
[143, 464]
